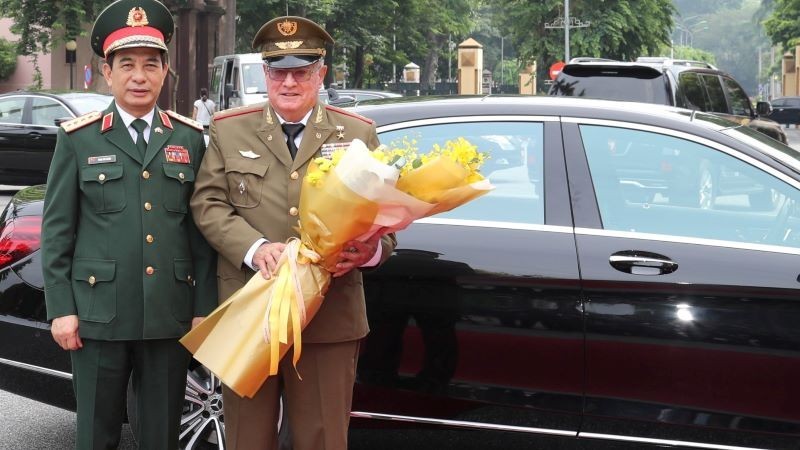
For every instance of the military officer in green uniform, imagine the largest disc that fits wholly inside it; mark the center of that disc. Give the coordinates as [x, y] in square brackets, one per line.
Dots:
[126, 271]
[246, 204]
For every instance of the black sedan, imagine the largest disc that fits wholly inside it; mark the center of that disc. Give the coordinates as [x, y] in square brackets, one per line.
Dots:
[786, 110]
[631, 281]
[28, 128]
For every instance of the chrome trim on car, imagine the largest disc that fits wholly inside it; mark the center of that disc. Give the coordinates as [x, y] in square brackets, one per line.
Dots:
[31, 367]
[689, 137]
[492, 224]
[466, 119]
[461, 424]
[547, 431]
[643, 440]
[687, 240]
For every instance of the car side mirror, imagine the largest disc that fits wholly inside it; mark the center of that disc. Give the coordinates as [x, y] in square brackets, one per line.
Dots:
[341, 99]
[763, 108]
[61, 120]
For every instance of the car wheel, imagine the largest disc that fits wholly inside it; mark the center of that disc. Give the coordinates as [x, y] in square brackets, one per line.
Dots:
[202, 424]
[203, 419]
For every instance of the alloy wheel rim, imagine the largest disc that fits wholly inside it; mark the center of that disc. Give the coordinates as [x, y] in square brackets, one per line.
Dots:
[203, 420]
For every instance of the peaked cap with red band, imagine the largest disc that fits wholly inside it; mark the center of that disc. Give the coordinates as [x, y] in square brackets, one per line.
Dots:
[132, 23]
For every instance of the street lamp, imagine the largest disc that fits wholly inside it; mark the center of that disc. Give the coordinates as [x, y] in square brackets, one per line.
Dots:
[71, 46]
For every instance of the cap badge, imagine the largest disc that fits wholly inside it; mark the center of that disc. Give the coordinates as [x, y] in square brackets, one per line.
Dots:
[137, 17]
[287, 27]
[288, 45]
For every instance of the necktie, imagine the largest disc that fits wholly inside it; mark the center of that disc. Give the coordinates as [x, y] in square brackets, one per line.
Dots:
[139, 125]
[292, 130]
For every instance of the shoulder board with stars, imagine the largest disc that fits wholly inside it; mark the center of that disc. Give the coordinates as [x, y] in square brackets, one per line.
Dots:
[180, 118]
[232, 112]
[350, 114]
[79, 122]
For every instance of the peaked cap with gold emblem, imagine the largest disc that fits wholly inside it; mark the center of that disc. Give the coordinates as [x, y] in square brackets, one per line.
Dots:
[132, 23]
[289, 41]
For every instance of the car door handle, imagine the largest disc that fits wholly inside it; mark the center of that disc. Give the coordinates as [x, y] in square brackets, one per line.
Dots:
[642, 263]
[34, 135]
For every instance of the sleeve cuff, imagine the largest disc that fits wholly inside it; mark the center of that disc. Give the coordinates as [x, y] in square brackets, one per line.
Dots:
[376, 258]
[248, 257]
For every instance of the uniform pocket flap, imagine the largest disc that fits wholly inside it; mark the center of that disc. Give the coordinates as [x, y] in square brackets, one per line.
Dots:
[184, 270]
[101, 173]
[180, 172]
[245, 166]
[94, 270]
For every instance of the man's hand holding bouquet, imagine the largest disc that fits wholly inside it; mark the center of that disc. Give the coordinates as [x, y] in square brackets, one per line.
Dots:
[355, 194]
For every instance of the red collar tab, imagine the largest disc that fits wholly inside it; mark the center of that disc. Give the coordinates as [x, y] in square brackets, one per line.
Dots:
[108, 122]
[165, 119]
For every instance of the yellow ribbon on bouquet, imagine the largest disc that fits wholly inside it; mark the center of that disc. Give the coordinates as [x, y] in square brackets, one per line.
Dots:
[244, 339]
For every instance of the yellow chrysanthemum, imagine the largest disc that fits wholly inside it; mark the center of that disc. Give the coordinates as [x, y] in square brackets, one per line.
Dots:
[403, 153]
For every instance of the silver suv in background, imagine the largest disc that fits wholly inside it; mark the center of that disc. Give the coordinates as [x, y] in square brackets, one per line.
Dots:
[687, 84]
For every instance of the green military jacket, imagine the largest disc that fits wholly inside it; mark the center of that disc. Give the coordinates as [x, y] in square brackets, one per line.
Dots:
[119, 246]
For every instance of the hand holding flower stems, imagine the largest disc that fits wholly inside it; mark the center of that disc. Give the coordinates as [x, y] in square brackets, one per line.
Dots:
[347, 202]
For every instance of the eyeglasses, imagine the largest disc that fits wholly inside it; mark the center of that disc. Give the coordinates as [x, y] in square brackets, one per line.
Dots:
[301, 75]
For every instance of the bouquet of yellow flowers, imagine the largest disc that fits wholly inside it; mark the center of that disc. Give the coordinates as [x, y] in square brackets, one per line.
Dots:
[353, 194]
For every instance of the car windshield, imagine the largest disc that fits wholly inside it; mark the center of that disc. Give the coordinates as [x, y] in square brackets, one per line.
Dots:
[255, 82]
[636, 84]
[84, 103]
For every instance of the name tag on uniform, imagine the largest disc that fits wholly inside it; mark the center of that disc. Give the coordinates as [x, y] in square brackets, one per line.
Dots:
[105, 159]
[328, 149]
[176, 154]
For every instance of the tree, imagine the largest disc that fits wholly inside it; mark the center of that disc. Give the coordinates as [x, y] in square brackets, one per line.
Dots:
[783, 25]
[8, 58]
[693, 7]
[621, 29]
[734, 36]
[35, 21]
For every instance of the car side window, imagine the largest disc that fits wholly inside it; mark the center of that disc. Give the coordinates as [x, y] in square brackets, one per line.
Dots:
[45, 111]
[694, 95]
[716, 95]
[514, 166]
[11, 109]
[740, 103]
[655, 183]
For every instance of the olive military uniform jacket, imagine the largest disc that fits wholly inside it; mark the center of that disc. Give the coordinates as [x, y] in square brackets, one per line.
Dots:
[248, 187]
[119, 246]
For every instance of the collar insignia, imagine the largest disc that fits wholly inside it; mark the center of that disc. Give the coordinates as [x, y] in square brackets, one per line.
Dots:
[319, 115]
[108, 122]
[165, 119]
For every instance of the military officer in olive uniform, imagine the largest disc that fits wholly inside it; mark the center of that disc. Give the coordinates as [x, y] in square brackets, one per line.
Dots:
[126, 271]
[245, 203]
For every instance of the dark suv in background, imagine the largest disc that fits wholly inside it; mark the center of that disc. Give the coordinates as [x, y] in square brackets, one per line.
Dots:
[687, 84]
